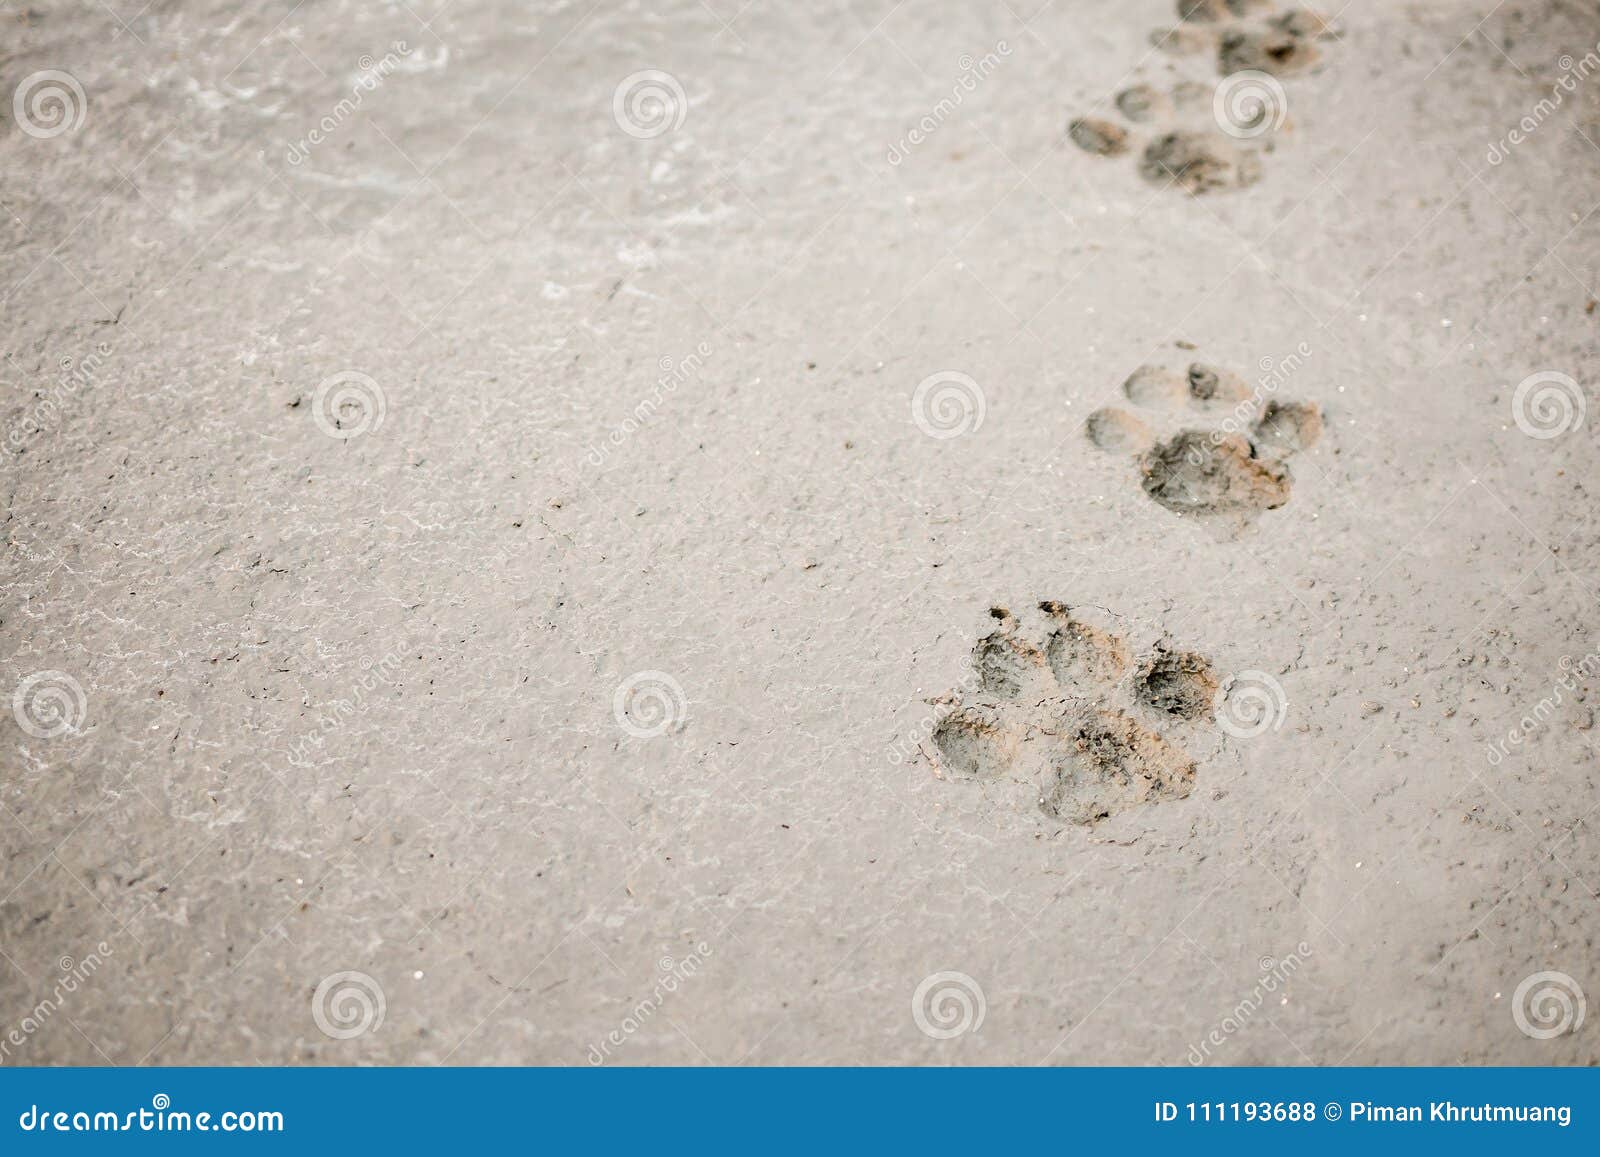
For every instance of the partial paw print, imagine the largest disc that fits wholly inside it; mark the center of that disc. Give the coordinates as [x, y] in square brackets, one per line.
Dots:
[1248, 35]
[1066, 705]
[1183, 150]
[1206, 137]
[1228, 471]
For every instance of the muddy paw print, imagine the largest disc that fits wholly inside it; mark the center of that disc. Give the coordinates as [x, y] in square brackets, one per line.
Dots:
[1183, 149]
[1205, 137]
[1248, 35]
[1231, 469]
[1067, 704]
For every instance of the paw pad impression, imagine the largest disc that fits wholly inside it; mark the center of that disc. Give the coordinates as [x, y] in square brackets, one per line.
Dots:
[1231, 469]
[1204, 135]
[1066, 703]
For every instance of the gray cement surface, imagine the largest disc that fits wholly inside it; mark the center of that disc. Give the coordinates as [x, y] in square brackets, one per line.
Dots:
[504, 505]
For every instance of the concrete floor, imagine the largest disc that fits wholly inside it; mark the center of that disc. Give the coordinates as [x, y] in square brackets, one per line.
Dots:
[501, 499]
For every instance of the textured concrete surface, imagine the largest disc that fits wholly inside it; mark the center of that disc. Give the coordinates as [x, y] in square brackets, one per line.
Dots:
[492, 537]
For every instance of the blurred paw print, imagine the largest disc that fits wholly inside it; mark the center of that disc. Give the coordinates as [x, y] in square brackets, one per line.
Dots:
[1202, 136]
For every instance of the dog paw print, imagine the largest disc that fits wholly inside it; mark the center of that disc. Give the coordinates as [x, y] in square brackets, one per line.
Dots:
[1201, 137]
[1062, 700]
[1183, 149]
[1230, 469]
[1248, 35]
